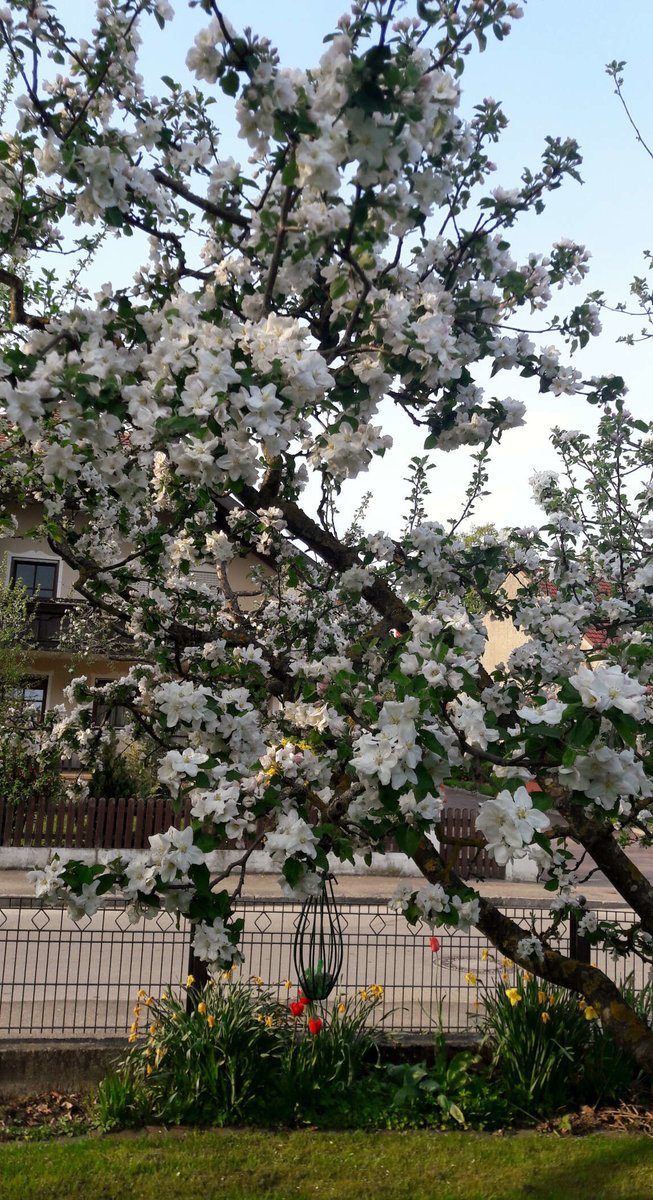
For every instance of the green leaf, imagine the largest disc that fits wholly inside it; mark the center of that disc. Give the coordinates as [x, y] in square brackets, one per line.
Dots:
[205, 841]
[292, 871]
[201, 877]
[113, 217]
[338, 287]
[407, 839]
[625, 725]
[230, 83]
[290, 172]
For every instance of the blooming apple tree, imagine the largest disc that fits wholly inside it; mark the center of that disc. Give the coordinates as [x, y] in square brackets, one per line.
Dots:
[285, 312]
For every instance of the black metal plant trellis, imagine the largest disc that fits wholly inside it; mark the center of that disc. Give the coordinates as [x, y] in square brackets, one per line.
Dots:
[318, 944]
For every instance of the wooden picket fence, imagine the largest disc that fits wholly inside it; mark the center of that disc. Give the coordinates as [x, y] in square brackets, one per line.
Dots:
[128, 823]
[122, 824]
[471, 862]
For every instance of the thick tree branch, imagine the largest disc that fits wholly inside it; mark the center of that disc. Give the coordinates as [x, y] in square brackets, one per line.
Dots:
[616, 1016]
[18, 314]
[600, 843]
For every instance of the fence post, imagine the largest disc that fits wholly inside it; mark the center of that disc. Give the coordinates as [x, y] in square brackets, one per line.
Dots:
[198, 969]
[579, 947]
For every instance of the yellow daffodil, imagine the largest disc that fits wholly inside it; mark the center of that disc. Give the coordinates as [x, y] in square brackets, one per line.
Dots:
[164, 995]
[545, 1017]
[287, 984]
[552, 1001]
[342, 1008]
[137, 1010]
[147, 1001]
[514, 996]
[134, 1028]
[485, 955]
[149, 1068]
[471, 979]
[201, 1008]
[211, 1021]
[541, 997]
[258, 980]
[591, 1013]
[376, 991]
[132, 1037]
[190, 981]
[507, 962]
[505, 976]
[363, 994]
[269, 1021]
[152, 1029]
[141, 994]
[527, 977]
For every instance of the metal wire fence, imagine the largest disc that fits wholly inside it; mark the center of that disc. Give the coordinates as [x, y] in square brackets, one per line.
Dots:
[60, 978]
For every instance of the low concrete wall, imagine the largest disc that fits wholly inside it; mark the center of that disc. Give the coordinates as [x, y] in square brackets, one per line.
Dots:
[23, 858]
[28, 1068]
[33, 1067]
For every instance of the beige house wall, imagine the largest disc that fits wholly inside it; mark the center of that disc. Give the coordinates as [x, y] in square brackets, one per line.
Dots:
[60, 667]
[19, 545]
[502, 636]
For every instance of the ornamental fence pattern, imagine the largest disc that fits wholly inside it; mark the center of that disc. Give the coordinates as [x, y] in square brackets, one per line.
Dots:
[60, 978]
[127, 823]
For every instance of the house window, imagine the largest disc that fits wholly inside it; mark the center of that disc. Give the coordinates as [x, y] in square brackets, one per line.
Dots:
[32, 694]
[112, 716]
[38, 577]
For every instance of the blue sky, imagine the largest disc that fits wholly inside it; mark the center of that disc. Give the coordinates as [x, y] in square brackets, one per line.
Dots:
[550, 77]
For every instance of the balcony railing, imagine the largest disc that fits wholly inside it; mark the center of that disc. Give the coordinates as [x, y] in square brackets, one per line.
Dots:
[47, 618]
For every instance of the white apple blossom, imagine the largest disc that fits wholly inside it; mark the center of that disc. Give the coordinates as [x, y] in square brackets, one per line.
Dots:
[184, 431]
[602, 688]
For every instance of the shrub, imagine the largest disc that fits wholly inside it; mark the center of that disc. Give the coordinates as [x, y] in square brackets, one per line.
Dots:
[123, 771]
[550, 1049]
[239, 1056]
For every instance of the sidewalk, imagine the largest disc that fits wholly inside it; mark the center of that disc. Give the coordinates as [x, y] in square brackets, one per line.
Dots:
[370, 887]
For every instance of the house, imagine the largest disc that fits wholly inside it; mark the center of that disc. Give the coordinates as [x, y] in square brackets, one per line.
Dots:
[503, 636]
[50, 584]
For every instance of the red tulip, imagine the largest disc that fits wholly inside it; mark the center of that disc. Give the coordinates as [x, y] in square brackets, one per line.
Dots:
[315, 1024]
[435, 945]
[297, 1008]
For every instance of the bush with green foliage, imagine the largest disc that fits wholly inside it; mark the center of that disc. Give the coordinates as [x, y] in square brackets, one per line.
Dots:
[233, 1054]
[549, 1048]
[123, 770]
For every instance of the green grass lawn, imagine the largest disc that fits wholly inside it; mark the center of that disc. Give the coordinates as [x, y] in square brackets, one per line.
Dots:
[245, 1165]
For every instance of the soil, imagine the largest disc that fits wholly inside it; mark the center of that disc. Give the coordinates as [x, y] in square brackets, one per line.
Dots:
[53, 1114]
